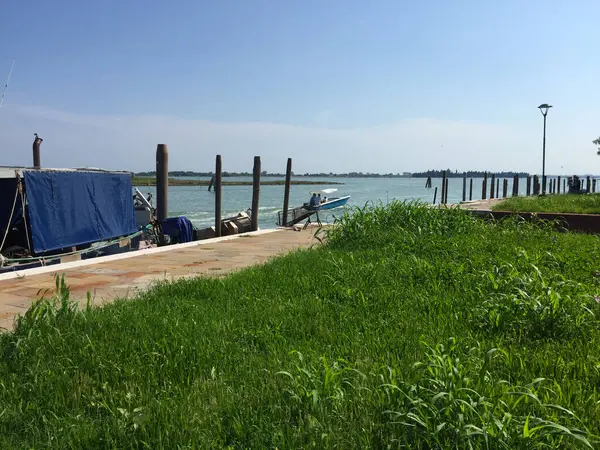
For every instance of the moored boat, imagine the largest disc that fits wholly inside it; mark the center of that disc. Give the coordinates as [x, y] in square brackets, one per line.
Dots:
[328, 202]
[296, 215]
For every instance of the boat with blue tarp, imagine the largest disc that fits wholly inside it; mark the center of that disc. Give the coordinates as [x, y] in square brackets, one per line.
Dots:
[48, 214]
[51, 216]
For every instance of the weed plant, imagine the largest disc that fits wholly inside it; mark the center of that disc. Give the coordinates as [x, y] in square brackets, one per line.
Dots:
[411, 327]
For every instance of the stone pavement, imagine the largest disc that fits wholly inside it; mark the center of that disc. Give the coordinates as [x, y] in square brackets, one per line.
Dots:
[119, 276]
[481, 204]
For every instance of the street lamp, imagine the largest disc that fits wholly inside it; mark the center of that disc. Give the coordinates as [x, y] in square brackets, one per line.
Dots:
[544, 110]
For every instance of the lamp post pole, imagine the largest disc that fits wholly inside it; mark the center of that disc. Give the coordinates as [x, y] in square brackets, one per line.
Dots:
[544, 159]
[544, 110]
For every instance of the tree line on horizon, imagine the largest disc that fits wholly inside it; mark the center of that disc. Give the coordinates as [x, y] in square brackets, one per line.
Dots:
[264, 173]
[468, 174]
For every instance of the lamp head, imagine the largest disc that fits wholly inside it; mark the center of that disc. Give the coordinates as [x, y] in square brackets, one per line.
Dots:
[544, 107]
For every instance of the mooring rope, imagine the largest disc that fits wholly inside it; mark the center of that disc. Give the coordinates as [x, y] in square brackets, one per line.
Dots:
[46, 259]
[12, 212]
[24, 215]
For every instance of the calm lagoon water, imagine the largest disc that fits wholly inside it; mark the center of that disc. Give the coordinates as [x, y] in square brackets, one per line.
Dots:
[196, 203]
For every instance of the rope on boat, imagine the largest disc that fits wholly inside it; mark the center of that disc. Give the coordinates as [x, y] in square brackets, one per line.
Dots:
[12, 212]
[20, 189]
[45, 259]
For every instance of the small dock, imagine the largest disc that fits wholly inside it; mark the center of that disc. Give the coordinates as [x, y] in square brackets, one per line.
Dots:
[125, 275]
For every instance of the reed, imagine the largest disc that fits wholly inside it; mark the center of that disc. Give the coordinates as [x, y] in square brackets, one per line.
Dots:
[410, 327]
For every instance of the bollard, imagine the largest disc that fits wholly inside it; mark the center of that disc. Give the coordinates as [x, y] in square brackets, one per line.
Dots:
[36, 151]
[218, 186]
[493, 186]
[255, 192]
[443, 196]
[286, 194]
[464, 196]
[162, 182]
[484, 187]
[504, 188]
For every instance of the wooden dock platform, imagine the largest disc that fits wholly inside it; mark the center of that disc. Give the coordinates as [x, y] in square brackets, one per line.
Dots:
[127, 274]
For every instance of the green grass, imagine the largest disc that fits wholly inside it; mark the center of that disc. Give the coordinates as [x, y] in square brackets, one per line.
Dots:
[565, 203]
[411, 328]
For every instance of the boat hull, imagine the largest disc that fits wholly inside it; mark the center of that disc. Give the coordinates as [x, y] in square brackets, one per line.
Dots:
[334, 203]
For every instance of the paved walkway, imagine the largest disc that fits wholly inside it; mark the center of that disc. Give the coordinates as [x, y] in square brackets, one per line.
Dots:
[125, 275]
[482, 204]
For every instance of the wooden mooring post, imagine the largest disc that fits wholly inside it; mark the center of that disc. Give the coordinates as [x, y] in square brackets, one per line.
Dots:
[498, 188]
[594, 185]
[162, 182]
[434, 195]
[443, 196]
[464, 196]
[484, 187]
[528, 191]
[504, 187]
[544, 184]
[218, 188]
[471, 189]
[589, 184]
[286, 193]
[558, 184]
[255, 193]
[446, 191]
[493, 186]
[515, 189]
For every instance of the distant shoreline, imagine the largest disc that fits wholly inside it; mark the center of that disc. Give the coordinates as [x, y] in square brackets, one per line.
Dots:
[174, 181]
[178, 173]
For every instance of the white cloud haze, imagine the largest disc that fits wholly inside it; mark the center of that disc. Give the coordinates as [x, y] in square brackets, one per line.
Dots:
[129, 143]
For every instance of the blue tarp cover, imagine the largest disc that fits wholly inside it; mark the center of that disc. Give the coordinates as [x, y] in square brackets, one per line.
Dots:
[180, 227]
[75, 208]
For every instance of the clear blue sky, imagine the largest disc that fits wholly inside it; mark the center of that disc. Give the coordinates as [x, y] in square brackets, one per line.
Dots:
[338, 85]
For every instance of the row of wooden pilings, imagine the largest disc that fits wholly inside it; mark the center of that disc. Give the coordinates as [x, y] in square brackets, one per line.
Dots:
[551, 186]
[162, 184]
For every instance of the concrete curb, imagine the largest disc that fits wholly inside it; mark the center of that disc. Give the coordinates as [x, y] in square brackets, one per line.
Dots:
[132, 254]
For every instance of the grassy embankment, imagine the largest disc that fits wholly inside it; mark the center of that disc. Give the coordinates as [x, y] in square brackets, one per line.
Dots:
[151, 181]
[412, 327]
[564, 203]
